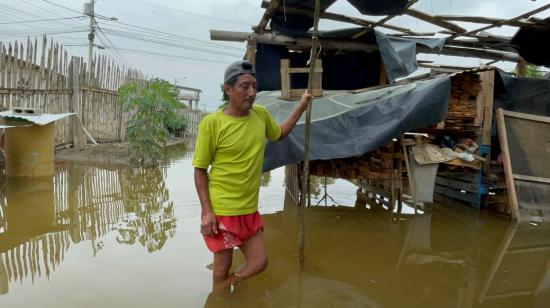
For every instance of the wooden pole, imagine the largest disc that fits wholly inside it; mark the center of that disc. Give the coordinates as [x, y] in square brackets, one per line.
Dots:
[512, 197]
[302, 43]
[76, 132]
[305, 175]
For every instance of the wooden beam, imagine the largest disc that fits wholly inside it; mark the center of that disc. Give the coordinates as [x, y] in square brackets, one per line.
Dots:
[486, 113]
[530, 178]
[343, 18]
[285, 79]
[504, 22]
[485, 20]
[268, 38]
[470, 53]
[250, 54]
[431, 19]
[512, 197]
[382, 21]
[273, 5]
[527, 116]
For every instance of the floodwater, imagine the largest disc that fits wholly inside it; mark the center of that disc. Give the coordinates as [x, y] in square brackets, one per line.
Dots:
[105, 237]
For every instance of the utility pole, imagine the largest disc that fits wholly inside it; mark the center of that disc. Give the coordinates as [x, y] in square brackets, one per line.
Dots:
[89, 11]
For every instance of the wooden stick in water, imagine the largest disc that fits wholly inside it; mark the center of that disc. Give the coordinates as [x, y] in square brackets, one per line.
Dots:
[305, 175]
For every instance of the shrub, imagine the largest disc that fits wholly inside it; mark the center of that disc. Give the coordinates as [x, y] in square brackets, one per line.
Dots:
[153, 107]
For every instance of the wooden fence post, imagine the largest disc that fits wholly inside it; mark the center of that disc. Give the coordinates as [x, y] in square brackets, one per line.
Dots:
[76, 132]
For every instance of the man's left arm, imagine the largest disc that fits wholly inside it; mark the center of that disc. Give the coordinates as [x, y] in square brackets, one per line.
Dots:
[288, 124]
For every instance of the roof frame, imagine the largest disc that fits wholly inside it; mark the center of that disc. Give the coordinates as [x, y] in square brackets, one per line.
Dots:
[484, 45]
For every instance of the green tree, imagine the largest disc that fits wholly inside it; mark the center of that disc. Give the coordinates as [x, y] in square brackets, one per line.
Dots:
[153, 107]
[532, 70]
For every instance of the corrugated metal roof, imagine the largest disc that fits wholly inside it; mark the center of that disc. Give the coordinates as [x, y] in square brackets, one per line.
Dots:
[40, 120]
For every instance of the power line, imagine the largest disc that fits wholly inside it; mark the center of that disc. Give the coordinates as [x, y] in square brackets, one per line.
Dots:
[169, 34]
[41, 32]
[172, 9]
[196, 41]
[166, 38]
[37, 20]
[170, 56]
[59, 5]
[120, 55]
[166, 43]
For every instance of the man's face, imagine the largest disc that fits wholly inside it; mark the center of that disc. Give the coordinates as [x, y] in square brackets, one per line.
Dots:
[243, 93]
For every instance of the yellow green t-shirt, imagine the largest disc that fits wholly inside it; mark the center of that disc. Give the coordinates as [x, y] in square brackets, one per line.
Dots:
[234, 148]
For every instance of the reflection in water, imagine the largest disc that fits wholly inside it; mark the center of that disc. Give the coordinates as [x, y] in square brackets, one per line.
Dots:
[149, 215]
[41, 217]
[51, 228]
[362, 258]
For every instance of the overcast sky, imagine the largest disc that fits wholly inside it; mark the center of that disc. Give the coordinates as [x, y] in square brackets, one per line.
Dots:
[190, 58]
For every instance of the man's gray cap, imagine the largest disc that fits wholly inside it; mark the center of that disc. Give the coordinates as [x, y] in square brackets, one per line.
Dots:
[237, 68]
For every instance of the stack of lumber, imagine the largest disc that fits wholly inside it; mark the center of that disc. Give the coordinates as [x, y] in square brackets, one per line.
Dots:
[462, 104]
[375, 165]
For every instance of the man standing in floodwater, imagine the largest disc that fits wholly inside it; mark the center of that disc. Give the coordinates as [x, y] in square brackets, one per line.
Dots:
[231, 141]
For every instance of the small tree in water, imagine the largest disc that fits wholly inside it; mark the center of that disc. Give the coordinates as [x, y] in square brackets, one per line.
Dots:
[153, 109]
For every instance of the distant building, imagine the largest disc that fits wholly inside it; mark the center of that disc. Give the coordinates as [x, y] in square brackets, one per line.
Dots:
[189, 95]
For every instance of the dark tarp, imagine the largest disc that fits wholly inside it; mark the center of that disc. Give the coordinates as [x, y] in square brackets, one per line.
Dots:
[533, 43]
[377, 7]
[399, 53]
[354, 124]
[344, 70]
[526, 95]
[296, 24]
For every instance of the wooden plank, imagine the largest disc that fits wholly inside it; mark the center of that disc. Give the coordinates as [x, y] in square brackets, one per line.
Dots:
[294, 70]
[485, 20]
[250, 54]
[330, 44]
[343, 18]
[476, 164]
[487, 89]
[531, 178]
[512, 197]
[269, 11]
[469, 187]
[526, 116]
[503, 22]
[435, 21]
[455, 194]
[297, 93]
[285, 79]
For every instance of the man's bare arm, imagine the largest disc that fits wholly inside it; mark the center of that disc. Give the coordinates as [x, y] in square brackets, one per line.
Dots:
[208, 219]
[288, 124]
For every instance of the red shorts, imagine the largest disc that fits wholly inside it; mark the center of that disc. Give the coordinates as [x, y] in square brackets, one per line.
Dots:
[233, 231]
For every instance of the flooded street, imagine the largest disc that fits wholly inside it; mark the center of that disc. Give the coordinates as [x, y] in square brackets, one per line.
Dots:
[110, 237]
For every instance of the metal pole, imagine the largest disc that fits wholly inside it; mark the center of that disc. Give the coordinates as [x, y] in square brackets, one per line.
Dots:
[305, 179]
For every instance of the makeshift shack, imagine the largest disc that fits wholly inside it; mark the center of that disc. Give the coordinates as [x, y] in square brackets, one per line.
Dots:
[432, 136]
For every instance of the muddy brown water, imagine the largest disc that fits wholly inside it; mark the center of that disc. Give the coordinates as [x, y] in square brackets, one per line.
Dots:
[122, 237]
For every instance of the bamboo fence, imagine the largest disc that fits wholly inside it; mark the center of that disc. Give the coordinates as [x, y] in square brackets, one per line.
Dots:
[43, 75]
